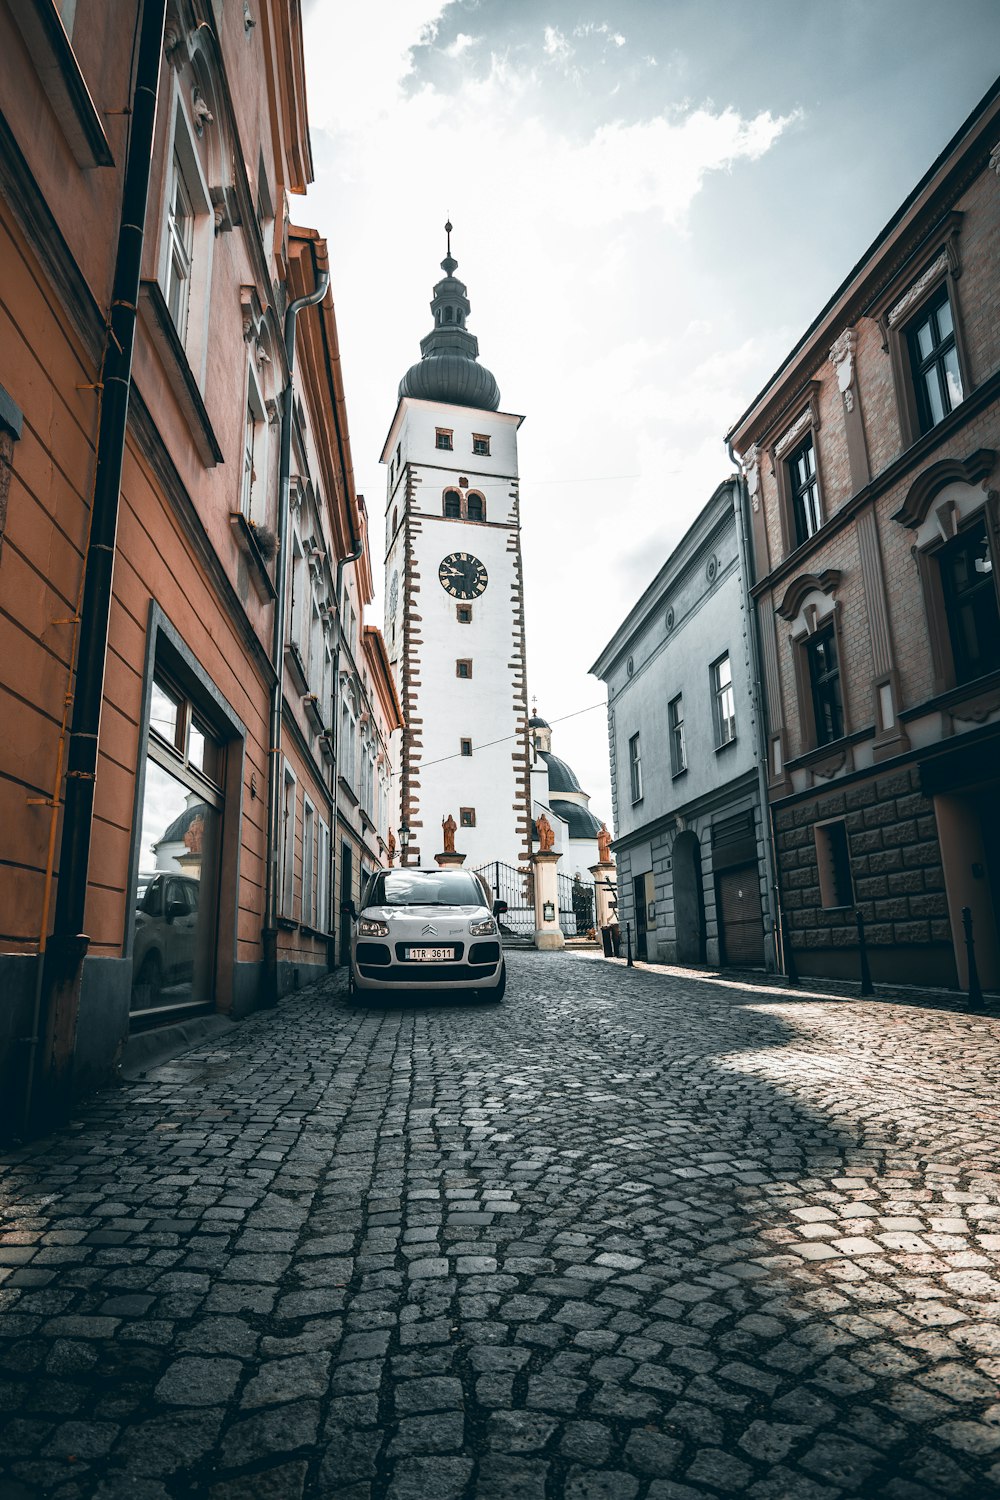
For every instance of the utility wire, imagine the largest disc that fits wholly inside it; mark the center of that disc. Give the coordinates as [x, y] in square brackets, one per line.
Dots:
[507, 737]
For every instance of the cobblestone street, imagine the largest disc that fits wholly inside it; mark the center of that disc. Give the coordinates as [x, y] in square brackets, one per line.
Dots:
[627, 1236]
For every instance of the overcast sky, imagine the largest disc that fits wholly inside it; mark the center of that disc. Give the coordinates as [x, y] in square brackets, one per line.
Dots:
[651, 200]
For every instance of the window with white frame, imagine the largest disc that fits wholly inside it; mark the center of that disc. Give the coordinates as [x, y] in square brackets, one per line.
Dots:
[180, 248]
[678, 745]
[300, 591]
[253, 487]
[348, 733]
[308, 863]
[322, 918]
[635, 768]
[288, 843]
[724, 701]
[188, 243]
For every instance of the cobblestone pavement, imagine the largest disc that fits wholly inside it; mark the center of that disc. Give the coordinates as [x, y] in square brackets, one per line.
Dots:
[628, 1236]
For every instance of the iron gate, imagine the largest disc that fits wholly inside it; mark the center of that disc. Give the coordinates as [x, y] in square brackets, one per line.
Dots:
[576, 905]
[515, 887]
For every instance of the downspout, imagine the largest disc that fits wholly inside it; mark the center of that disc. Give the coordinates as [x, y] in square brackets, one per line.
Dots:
[274, 786]
[61, 967]
[359, 547]
[778, 957]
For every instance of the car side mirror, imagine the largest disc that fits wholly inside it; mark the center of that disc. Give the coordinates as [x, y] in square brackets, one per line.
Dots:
[176, 909]
[499, 907]
[349, 910]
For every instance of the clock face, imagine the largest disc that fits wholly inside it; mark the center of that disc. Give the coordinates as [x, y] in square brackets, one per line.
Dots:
[462, 575]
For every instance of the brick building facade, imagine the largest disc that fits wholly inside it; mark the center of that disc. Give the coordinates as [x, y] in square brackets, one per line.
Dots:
[871, 466]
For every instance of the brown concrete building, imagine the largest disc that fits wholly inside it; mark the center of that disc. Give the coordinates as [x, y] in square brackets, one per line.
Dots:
[176, 872]
[871, 459]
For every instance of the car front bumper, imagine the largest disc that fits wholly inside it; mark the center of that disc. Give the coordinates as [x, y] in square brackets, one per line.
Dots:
[389, 972]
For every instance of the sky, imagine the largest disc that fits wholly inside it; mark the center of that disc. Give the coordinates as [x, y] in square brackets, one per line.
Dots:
[651, 201]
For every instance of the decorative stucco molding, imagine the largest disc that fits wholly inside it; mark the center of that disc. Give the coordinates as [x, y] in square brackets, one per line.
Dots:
[915, 292]
[842, 358]
[932, 481]
[798, 427]
[798, 590]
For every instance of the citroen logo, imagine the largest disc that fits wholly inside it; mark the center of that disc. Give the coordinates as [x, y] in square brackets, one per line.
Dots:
[429, 929]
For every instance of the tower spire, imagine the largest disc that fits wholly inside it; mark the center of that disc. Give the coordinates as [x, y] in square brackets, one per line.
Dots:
[449, 265]
[448, 368]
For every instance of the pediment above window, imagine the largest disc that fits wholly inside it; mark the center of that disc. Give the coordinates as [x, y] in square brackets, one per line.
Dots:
[798, 591]
[927, 486]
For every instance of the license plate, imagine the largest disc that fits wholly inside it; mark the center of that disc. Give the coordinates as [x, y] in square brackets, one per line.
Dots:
[430, 955]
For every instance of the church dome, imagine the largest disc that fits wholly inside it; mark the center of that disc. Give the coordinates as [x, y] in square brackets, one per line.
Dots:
[537, 722]
[581, 821]
[561, 777]
[448, 369]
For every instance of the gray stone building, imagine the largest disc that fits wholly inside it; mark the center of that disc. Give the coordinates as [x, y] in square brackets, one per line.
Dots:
[682, 729]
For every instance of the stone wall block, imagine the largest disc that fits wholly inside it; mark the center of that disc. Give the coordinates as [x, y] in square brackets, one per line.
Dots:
[934, 879]
[940, 930]
[887, 859]
[923, 853]
[871, 887]
[895, 909]
[829, 807]
[913, 806]
[929, 906]
[861, 796]
[912, 932]
[880, 813]
[896, 785]
[905, 882]
[901, 833]
[878, 932]
[796, 880]
[865, 840]
[927, 826]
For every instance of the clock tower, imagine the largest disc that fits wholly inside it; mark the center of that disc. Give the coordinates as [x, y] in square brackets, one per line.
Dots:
[454, 621]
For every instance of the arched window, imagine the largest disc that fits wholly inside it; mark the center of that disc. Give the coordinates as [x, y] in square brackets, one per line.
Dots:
[447, 314]
[477, 507]
[453, 505]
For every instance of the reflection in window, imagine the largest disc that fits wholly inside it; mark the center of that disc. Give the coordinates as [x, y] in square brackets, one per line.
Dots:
[937, 379]
[970, 599]
[824, 679]
[163, 713]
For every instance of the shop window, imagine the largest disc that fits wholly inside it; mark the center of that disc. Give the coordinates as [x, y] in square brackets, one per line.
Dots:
[968, 586]
[824, 682]
[833, 859]
[176, 898]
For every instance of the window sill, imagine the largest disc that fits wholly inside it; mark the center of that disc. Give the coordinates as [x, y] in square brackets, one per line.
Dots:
[367, 822]
[675, 775]
[726, 745]
[287, 924]
[179, 373]
[310, 703]
[819, 753]
[248, 544]
[326, 746]
[349, 791]
[64, 84]
[953, 697]
[296, 666]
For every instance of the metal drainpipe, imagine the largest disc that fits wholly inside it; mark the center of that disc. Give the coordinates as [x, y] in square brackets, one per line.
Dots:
[359, 547]
[61, 970]
[274, 787]
[757, 699]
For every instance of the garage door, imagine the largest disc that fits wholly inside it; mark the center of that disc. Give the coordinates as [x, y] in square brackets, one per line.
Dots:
[742, 924]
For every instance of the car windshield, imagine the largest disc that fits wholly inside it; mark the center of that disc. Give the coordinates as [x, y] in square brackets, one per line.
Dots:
[424, 888]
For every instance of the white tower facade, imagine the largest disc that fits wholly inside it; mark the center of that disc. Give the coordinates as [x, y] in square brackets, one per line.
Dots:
[454, 622]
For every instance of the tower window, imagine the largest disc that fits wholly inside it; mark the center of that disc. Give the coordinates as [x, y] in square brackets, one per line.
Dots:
[443, 437]
[480, 445]
[463, 614]
[477, 508]
[452, 505]
[463, 668]
[467, 817]
[466, 746]
[447, 314]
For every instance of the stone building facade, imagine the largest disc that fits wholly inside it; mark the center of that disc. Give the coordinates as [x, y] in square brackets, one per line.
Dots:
[871, 461]
[690, 837]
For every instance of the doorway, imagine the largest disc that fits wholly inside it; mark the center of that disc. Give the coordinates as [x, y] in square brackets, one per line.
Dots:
[641, 896]
[689, 899]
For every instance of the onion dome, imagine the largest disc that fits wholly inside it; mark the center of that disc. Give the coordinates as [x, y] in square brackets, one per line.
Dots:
[561, 777]
[581, 821]
[448, 369]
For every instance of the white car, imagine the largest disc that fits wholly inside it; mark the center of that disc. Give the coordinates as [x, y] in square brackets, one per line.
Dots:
[427, 930]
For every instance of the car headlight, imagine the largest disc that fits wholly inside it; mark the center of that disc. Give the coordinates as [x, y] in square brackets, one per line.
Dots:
[368, 927]
[483, 929]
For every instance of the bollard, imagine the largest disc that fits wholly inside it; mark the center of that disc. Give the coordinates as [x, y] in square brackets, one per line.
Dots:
[628, 945]
[867, 988]
[975, 988]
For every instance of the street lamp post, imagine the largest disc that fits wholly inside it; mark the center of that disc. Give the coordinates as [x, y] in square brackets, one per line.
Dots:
[404, 840]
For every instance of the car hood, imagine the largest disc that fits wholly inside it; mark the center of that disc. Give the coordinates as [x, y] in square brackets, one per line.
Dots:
[444, 919]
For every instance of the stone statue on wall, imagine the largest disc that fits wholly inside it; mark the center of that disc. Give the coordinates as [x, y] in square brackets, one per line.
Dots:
[448, 827]
[391, 847]
[546, 834]
[604, 845]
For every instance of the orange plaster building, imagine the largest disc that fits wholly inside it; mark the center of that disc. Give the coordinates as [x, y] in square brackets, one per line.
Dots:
[177, 869]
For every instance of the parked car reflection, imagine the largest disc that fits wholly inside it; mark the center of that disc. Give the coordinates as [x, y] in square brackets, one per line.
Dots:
[166, 927]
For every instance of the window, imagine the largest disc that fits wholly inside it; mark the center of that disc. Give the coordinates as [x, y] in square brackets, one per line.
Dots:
[833, 860]
[635, 768]
[970, 601]
[288, 843]
[308, 863]
[477, 508]
[180, 249]
[453, 505]
[824, 682]
[443, 437]
[466, 746]
[467, 817]
[937, 379]
[804, 488]
[725, 703]
[399, 451]
[253, 485]
[463, 614]
[678, 748]
[480, 445]
[463, 668]
[322, 920]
